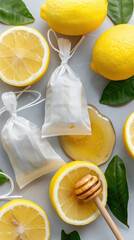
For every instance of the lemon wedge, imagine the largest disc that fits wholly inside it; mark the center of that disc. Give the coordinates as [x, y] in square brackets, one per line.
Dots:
[63, 198]
[128, 135]
[24, 56]
[23, 220]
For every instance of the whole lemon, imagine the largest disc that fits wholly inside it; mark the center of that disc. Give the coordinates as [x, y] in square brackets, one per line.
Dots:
[74, 17]
[113, 53]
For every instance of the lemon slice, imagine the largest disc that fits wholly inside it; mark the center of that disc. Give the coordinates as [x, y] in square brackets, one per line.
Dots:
[128, 135]
[24, 56]
[23, 220]
[67, 205]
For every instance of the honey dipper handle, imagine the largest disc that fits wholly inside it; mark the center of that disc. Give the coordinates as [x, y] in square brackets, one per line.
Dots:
[108, 219]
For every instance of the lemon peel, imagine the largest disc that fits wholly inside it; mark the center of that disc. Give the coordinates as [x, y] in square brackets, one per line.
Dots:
[113, 53]
[74, 17]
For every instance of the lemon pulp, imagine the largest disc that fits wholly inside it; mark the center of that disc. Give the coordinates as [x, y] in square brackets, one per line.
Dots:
[24, 56]
[128, 135]
[23, 220]
[74, 17]
[68, 206]
[132, 132]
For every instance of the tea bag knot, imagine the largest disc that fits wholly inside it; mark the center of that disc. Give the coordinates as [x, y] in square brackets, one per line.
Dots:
[65, 49]
[10, 102]
[64, 45]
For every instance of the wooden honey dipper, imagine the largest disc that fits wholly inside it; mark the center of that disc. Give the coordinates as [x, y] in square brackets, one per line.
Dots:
[87, 189]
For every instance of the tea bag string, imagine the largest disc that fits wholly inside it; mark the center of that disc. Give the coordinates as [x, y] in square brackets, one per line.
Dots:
[57, 50]
[31, 104]
[8, 196]
[3, 109]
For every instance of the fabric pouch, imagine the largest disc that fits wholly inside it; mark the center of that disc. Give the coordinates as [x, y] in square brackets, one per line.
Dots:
[66, 111]
[30, 155]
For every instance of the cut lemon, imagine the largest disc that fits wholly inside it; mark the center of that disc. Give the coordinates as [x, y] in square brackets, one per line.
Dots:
[23, 220]
[128, 135]
[24, 56]
[63, 198]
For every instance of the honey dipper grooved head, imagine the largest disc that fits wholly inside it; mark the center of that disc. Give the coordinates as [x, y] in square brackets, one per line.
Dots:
[87, 188]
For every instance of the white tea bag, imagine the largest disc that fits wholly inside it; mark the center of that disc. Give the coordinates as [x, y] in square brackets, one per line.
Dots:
[66, 111]
[30, 155]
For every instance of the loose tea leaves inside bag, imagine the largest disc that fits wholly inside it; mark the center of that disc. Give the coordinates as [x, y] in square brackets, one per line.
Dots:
[30, 155]
[66, 111]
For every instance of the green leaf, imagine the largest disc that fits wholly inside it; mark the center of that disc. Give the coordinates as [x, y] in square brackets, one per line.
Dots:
[72, 236]
[118, 92]
[120, 11]
[3, 179]
[118, 194]
[14, 12]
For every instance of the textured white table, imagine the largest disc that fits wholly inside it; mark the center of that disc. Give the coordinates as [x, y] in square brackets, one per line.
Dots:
[38, 191]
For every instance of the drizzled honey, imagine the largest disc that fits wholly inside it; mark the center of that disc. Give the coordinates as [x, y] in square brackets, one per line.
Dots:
[95, 148]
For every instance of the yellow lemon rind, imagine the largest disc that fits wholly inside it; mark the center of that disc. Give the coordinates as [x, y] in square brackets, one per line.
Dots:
[113, 53]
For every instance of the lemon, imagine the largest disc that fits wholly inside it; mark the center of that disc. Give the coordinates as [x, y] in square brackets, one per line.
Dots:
[128, 135]
[24, 56]
[63, 198]
[74, 17]
[95, 148]
[113, 53]
[23, 219]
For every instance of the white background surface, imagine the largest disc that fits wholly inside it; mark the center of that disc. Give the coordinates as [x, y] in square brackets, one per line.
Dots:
[38, 191]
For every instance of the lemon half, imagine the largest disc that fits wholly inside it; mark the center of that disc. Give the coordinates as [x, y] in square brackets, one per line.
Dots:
[63, 198]
[23, 219]
[24, 56]
[128, 135]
